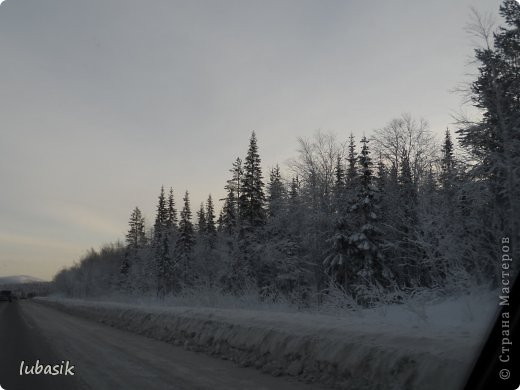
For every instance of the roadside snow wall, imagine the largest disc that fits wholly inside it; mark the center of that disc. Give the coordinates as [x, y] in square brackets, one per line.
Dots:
[314, 348]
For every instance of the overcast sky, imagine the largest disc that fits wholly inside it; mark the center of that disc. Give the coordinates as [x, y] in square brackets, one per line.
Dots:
[104, 101]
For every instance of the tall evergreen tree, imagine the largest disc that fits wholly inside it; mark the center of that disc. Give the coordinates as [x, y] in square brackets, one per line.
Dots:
[161, 245]
[276, 193]
[171, 219]
[339, 172]
[448, 173]
[252, 198]
[382, 175]
[356, 259]
[339, 185]
[135, 239]
[210, 217]
[228, 216]
[494, 143]
[352, 160]
[234, 192]
[368, 240]
[201, 220]
[161, 218]
[294, 189]
[294, 206]
[186, 241]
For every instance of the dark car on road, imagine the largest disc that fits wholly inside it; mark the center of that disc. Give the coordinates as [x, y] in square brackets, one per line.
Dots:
[5, 295]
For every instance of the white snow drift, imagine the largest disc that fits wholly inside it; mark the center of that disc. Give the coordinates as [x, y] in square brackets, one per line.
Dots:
[353, 353]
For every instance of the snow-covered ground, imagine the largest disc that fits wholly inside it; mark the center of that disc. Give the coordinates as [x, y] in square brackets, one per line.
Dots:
[417, 345]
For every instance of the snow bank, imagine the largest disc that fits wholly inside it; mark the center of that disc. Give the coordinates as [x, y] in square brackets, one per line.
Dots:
[354, 353]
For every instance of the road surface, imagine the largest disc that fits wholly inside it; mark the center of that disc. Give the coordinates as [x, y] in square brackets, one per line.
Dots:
[108, 358]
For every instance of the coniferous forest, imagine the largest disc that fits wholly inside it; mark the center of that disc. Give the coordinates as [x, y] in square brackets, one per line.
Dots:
[361, 221]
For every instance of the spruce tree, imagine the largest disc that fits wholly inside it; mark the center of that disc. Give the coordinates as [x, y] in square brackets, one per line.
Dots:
[161, 218]
[339, 185]
[186, 241]
[339, 173]
[295, 211]
[171, 220]
[356, 259]
[352, 161]
[276, 193]
[201, 220]
[210, 217]
[135, 239]
[211, 228]
[382, 175]
[234, 191]
[252, 198]
[495, 142]
[228, 216]
[368, 240]
[160, 244]
[448, 174]
[494, 145]
[294, 189]
[171, 234]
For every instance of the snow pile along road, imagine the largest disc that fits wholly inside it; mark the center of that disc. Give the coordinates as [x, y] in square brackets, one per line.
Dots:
[315, 348]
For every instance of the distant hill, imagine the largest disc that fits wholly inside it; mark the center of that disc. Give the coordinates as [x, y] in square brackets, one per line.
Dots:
[19, 279]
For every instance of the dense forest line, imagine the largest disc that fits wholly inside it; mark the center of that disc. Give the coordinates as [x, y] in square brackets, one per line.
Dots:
[374, 220]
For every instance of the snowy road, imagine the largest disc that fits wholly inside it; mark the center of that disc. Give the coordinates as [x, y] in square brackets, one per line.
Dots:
[21, 340]
[107, 358]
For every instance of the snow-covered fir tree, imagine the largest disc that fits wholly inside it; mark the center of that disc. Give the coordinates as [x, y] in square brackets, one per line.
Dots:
[234, 193]
[340, 195]
[252, 198]
[494, 142]
[228, 214]
[276, 193]
[135, 240]
[201, 221]
[356, 259]
[185, 243]
[161, 245]
[211, 228]
[448, 175]
[352, 160]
